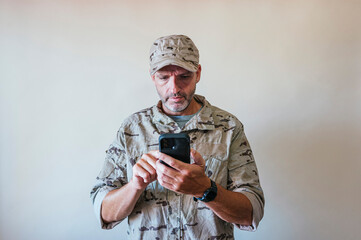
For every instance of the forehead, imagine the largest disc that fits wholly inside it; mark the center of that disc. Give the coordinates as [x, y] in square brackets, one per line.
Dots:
[172, 69]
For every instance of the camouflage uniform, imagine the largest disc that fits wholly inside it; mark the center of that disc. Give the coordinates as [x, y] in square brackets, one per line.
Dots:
[163, 214]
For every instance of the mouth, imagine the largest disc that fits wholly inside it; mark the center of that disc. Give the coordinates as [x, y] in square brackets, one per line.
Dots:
[176, 99]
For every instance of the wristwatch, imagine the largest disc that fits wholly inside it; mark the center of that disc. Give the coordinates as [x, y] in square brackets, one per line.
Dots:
[209, 195]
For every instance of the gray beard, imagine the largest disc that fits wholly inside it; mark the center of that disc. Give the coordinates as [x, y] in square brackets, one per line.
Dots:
[187, 102]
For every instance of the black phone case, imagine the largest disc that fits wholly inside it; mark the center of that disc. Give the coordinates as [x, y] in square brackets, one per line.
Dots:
[176, 145]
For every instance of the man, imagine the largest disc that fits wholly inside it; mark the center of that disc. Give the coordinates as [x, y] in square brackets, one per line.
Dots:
[202, 200]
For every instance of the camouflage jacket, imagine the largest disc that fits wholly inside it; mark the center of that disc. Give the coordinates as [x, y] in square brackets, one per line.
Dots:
[163, 214]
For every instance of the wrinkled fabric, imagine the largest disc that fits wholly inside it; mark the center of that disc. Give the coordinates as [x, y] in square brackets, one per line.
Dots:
[163, 214]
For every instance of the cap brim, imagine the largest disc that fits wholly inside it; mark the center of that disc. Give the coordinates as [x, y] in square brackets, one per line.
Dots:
[172, 61]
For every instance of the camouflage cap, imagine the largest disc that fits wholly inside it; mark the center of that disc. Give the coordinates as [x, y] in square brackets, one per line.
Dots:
[176, 50]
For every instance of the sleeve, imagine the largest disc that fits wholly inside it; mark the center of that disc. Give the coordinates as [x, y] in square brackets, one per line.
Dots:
[243, 176]
[113, 175]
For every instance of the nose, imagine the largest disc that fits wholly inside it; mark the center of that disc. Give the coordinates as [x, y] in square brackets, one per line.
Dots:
[173, 85]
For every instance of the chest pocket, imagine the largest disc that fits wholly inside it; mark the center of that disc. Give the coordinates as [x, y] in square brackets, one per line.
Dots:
[139, 147]
[216, 156]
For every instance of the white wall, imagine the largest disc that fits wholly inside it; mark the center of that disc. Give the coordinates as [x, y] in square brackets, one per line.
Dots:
[71, 71]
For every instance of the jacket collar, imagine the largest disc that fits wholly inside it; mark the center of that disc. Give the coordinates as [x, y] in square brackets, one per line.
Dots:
[202, 121]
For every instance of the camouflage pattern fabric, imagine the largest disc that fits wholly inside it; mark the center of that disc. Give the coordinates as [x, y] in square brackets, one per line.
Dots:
[163, 214]
[176, 50]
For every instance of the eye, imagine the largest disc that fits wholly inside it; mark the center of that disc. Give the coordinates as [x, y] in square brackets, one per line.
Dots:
[163, 77]
[185, 76]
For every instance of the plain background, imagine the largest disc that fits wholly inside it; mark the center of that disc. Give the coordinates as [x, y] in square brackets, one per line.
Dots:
[71, 71]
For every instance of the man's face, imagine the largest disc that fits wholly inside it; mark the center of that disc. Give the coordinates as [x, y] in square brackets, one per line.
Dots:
[176, 87]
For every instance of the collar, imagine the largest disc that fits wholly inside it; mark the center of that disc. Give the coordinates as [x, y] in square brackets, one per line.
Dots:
[202, 121]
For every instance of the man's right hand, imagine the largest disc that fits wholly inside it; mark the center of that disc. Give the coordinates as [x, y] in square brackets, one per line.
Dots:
[119, 203]
[144, 171]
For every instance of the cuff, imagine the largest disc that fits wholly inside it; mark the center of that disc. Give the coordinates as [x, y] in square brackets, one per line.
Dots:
[257, 207]
[97, 204]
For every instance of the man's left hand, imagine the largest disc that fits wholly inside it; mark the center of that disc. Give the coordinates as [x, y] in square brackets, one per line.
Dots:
[182, 177]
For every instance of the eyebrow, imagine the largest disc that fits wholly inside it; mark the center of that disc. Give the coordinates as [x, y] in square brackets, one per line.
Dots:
[166, 73]
[162, 74]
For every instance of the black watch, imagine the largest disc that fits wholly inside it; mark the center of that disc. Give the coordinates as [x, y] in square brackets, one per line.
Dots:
[209, 195]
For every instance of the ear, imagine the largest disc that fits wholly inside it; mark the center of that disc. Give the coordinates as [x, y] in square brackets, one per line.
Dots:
[199, 70]
[152, 76]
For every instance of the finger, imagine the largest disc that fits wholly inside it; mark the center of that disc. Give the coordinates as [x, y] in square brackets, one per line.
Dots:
[166, 182]
[145, 170]
[197, 157]
[150, 158]
[139, 171]
[167, 185]
[147, 167]
[174, 163]
[139, 180]
[154, 153]
[164, 170]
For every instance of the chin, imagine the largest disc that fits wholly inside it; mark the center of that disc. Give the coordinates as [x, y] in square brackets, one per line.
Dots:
[176, 109]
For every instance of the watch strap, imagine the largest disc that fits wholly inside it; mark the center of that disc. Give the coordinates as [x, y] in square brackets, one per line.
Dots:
[209, 195]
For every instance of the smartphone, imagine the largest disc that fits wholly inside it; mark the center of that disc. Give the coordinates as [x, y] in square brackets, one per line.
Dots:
[176, 145]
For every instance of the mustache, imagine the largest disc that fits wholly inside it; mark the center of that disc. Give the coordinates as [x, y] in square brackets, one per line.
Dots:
[178, 94]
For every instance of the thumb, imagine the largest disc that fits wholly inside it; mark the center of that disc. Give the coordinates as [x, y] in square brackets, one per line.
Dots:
[197, 157]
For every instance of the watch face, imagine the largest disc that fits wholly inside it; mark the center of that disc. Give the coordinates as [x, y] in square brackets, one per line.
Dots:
[211, 195]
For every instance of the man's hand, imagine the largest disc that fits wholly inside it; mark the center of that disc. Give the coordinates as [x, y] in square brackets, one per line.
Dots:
[119, 203]
[144, 171]
[183, 178]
